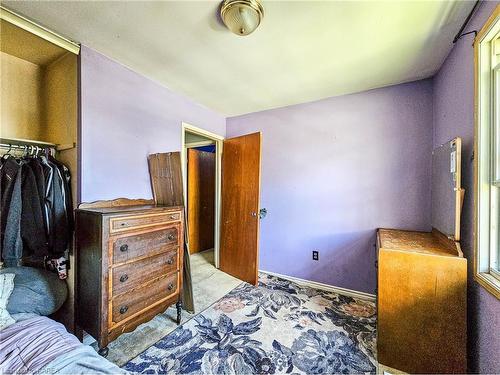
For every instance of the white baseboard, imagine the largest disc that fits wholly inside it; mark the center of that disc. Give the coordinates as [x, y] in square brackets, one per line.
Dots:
[330, 288]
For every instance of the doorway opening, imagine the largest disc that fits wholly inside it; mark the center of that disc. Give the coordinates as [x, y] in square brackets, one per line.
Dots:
[236, 217]
[201, 161]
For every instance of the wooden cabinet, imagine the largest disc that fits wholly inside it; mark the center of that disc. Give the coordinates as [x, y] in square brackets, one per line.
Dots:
[129, 267]
[422, 282]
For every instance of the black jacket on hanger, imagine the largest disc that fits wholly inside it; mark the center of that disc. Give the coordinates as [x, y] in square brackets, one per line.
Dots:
[37, 169]
[8, 171]
[10, 187]
[60, 228]
[48, 197]
[32, 221]
[66, 187]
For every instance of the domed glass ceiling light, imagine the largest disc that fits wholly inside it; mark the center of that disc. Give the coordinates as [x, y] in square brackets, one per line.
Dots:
[242, 17]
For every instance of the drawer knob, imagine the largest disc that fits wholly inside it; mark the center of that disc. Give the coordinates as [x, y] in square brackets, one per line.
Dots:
[123, 309]
[124, 278]
[170, 261]
[170, 286]
[173, 217]
[171, 237]
[124, 247]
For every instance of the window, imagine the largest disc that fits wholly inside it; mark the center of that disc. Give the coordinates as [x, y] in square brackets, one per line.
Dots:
[487, 159]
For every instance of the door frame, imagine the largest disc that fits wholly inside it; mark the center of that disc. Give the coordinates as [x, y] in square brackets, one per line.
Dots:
[218, 141]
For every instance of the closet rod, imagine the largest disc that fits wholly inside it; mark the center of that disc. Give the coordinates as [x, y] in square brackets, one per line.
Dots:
[21, 148]
[17, 143]
[25, 142]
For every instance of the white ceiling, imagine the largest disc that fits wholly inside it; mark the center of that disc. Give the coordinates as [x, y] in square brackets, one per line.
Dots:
[303, 50]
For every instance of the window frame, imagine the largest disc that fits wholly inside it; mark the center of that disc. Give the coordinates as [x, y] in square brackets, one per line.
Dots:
[486, 190]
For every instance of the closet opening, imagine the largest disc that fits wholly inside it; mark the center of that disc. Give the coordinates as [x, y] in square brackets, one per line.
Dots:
[201, 165]
[201, 200]
[38, 151]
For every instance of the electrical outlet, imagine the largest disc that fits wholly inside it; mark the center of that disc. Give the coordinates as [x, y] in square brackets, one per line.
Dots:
[315, 255]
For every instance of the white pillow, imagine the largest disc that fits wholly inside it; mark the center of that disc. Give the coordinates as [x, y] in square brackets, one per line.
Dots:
[6, 288]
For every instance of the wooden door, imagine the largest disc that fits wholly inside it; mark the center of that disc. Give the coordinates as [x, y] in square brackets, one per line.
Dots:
[200, 200]
[239, 247]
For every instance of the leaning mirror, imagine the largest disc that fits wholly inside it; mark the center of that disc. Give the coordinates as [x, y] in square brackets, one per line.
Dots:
[447, 192]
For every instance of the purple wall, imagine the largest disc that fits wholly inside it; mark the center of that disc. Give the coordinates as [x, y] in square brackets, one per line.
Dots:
[335, 170]
[454, 116]
[125, 117]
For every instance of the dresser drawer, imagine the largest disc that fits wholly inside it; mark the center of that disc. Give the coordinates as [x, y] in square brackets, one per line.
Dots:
[145, 244]
[134, 274]
[124, 223]
[141, 298]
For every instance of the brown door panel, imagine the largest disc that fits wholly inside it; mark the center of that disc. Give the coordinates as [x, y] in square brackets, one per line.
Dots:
[239, 249]
[201, 200]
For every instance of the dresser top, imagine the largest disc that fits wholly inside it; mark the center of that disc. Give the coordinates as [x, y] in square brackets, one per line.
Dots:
[432, 243]
[129, 209]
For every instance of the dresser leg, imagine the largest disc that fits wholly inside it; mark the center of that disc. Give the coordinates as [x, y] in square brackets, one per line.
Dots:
[178, 305]
[103, 351]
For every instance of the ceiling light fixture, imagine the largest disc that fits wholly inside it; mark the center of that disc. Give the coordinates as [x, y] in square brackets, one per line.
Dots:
[242, 17]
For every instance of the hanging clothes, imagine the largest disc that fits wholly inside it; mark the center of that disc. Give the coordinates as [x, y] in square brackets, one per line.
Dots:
[62, 207]
[37, 211]
[32, 219]
[12, 247]
[48, 197]
[37, 169]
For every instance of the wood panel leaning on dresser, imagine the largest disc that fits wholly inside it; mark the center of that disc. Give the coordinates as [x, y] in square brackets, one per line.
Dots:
[129, 266]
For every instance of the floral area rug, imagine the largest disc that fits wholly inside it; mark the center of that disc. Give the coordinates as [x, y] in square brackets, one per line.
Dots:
[276, 328]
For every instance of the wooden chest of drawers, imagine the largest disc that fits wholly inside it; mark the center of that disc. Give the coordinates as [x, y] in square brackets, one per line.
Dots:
[421, 302]
[129, 267]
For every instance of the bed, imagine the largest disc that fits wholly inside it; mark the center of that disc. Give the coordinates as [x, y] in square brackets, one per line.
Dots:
[33, 343]
[42, 345]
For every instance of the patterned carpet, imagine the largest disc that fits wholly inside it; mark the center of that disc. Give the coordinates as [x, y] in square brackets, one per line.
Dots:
[276, 328]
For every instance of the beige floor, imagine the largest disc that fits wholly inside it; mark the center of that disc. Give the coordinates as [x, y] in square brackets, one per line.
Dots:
[209, 285]
[386, 370]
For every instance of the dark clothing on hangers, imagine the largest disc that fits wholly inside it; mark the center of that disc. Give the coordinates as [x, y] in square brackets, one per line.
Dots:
[66, 188]
[12, 246]
[48, 172]
[8, 171]
[37, 211]
[32, 221]
[60, 229]
[37, 169]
